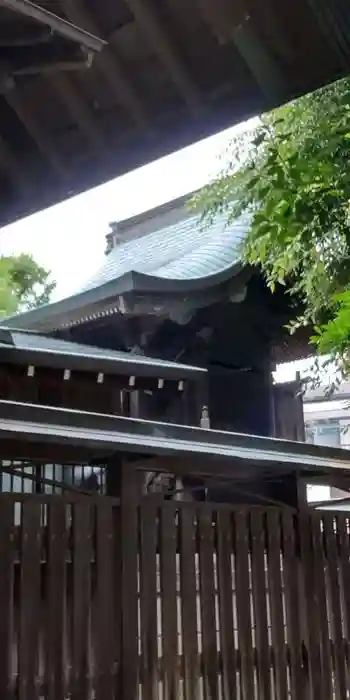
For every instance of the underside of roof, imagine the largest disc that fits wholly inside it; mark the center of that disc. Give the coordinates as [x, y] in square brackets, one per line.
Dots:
[76, 111]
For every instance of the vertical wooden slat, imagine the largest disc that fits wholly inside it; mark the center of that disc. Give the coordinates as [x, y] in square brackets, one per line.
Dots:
[291, 563]
[321, 594]
[340, 679]
[344, 551]
[55, 612]
[207, 601]
[168, 544]
[245, 644]
[6, 595]
[276, 603]
[258, 533]
[129, 534]
[148, 575]
[312, 640]
[188, 601]
[29, 601]
[104, 651]
[117, 608]
[227, 643]
[81, 608]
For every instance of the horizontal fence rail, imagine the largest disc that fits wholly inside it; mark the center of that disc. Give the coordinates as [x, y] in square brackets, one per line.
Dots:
[161, 601]
[18, 477]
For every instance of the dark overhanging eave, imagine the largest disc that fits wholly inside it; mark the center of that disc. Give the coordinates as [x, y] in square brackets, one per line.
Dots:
[259, 60]
[130, 366]
[35, 423]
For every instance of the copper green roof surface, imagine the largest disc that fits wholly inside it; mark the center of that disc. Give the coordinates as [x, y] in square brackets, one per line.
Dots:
[180, 251]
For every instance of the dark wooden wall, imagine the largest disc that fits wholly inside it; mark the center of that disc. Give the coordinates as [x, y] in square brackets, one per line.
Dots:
[288, 411]
[240, 401]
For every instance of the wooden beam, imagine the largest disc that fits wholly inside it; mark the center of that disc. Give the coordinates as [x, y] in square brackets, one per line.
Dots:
[45, 453]
[223, 16]
[108, 64]
[233, 21]
[261, 62]
[57, 24]
[148, 20]
[36, 131]
[198, 467]
[78, 108]
[266, 16]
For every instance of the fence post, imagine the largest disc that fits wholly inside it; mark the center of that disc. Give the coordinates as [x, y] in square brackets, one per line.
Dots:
[129, 576]
[113, 476]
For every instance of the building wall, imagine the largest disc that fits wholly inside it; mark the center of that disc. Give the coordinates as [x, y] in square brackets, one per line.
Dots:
[327, 423]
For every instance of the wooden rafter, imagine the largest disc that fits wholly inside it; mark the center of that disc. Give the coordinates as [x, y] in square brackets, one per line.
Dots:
[42, 139]
[260, 61]
[273, 28]
[78, 108]
[57, 24]
[233, 22]
[223, 16]
[147, 18]
[108, 63]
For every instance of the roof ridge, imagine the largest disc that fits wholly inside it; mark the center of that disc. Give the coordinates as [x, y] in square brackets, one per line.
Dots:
[149, 214]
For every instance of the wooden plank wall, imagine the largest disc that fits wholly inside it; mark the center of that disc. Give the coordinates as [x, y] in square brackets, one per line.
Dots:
[222, 603]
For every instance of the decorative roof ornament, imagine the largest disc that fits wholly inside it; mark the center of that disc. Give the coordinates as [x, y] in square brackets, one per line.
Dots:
[205, 420]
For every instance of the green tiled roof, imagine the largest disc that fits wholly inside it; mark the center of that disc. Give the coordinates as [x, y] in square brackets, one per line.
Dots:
[180, 251]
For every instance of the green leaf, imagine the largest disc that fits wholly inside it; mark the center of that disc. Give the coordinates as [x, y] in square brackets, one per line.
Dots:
[294, 182]
[283, 207]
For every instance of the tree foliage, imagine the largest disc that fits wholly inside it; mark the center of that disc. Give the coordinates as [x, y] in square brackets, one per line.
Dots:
[291, 174]
[24, 284]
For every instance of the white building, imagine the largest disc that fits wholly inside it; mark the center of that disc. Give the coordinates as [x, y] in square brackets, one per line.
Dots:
[327, 422]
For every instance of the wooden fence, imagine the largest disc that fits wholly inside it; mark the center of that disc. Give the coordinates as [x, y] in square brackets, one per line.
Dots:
[161, 601]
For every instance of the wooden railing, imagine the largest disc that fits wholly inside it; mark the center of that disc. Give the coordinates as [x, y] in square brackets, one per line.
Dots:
[164, 600]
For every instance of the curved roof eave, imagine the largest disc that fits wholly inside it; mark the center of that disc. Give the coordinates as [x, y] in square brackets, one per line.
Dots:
[85, 304]
[71, 307]
[152, 283]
